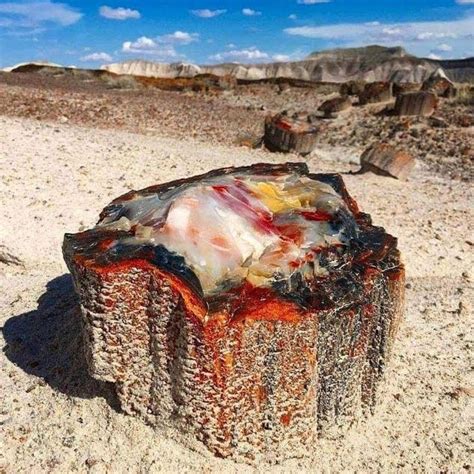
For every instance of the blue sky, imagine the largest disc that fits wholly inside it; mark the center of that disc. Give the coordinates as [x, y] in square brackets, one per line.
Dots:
[91, 33]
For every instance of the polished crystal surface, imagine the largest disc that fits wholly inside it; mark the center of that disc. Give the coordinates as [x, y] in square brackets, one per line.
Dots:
[239, 226]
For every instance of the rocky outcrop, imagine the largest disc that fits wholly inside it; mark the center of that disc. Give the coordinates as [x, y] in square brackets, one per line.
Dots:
[372, 63]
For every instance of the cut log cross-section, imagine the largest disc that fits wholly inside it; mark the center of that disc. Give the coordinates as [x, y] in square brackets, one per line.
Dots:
[284, 336]
[384, 159]
[290, 134]
[416, 103]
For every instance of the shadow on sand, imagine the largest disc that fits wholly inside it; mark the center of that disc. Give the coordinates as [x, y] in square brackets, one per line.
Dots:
[47, 343]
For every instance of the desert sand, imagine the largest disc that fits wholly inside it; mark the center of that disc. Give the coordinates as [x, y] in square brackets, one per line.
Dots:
[55, 178]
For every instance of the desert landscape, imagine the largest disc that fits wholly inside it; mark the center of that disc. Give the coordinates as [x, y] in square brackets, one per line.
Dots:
[72, 140]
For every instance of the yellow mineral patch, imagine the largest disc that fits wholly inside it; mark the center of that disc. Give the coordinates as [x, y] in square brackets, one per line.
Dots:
[276, 199]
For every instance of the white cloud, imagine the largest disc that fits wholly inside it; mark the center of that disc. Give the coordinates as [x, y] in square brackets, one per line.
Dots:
[250, 12]
[418, 37]
[161, 47]
[181, 37]
[119, 13]
[292, 17]
[444, 47]
[206, 13]
[151, 47]
[312, 2]
[103, 57]
[251, 54]
[280, 58]
[434, 56]
[392, 31]
[380, 32]
[35, 14]
[465, 2]
[426, 35]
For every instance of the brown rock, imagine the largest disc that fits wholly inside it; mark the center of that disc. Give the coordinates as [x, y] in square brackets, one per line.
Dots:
[332, 107]
[416, 103]
[465, 120]
[438, 122]
[386, 160]
[8, 258]
[295, 134]
[376, 92]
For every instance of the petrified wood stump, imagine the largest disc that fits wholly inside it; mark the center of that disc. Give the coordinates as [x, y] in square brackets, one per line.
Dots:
[251, 308]
[290, 134]
[419, 103]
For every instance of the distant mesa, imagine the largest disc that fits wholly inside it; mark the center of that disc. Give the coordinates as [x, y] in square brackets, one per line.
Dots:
[370, 63]
[31, 63]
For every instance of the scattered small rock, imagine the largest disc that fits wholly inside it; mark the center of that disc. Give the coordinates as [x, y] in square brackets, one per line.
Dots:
[7, 258]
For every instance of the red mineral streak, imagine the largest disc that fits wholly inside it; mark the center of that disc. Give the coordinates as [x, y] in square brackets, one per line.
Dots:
[316, 215]
[291, 232]
[238, 202]
[264, 304]
[285, 419]
[282, 124]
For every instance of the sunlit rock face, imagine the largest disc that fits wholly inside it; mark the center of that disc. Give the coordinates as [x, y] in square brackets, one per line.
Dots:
[238, 226]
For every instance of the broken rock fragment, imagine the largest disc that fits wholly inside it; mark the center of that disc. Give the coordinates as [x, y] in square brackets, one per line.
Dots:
[386, 160]
[250, 308]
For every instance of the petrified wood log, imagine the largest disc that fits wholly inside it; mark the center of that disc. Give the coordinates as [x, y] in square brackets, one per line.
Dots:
[403, 87]
[420, 103]
[376, 92]
[352, 88]
[332, 107]
[290, 134]
[252, 308]
[441, 86]
[386, 160]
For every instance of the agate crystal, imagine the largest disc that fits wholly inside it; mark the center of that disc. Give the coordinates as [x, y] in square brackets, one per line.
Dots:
[250, 308]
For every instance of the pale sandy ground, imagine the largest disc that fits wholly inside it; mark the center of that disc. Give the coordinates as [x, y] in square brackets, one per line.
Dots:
[54, 418]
